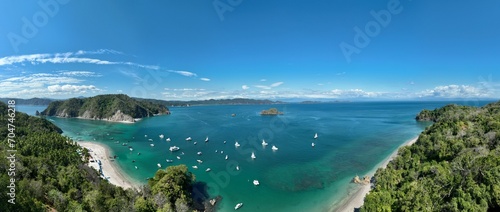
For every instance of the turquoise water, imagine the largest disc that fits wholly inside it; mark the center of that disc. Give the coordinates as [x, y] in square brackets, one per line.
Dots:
[353, 139]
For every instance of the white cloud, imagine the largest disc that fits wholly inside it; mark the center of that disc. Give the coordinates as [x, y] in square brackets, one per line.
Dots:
[204, 79]
[245, 87]
[80, 73]
[276, 84]
[72, 88]
[263, 80]
[183, 73]
[263, 87]
[340, 73]
[455, 91]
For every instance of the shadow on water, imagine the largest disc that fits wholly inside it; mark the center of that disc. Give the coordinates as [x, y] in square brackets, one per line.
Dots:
[201, 198]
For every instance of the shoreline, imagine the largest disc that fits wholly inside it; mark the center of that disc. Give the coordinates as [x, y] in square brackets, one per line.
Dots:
[109, 168]
[355, 198]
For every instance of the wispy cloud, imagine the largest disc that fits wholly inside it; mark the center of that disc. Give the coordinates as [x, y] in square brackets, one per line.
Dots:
[276, 84]
[68, 57]
[204, 79]
[269, 87]
[184, 73]
[245, 87]
[340, 73]
[72, 88]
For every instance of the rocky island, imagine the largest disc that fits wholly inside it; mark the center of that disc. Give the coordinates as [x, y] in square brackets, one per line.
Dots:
[271, 112]
[115, 108]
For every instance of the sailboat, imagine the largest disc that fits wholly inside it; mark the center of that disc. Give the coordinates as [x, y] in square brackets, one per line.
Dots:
[253, 156]
[316, 136]
[274, 148]
[264, 143]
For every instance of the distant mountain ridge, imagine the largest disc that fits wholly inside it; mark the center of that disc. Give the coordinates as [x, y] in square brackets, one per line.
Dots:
[111, 107]
[32, 101]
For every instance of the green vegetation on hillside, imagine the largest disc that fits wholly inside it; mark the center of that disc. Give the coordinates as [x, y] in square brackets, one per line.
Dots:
[104, 106]
[454, 165]
[51, 175]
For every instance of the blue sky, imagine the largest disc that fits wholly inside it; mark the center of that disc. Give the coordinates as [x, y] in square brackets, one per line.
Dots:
[183, 50]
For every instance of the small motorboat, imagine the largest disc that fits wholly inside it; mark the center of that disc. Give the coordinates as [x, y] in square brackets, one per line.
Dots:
[274, 148]
[208, 170]
[159, 165]
[189, 139]
[313, 144]
[256, 182]
[195, 167]
[170, 161]
[168, 140]
[178, 157]
[162, 136]
[315, 136]
[206, 139]
[253, 156]
[237, 144]
[174, 148]
[227, 157]
[135, 167]
[198, 153]
[195, 143]
[237, 168]
[152, 145]
[238, 206]
[199, 161]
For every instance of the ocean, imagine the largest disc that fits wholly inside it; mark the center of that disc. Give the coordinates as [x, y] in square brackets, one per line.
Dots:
[353, 137]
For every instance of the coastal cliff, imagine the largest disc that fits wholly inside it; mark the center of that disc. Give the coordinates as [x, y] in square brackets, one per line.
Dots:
[115, 108]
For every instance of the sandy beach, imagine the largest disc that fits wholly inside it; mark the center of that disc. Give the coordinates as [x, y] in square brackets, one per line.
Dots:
[109, 168]
[355, 200]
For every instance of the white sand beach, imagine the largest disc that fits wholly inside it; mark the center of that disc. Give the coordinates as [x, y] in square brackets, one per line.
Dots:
[355, 200]
[109, 168]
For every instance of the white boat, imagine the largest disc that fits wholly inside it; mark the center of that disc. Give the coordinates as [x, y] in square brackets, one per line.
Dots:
[264, 143]
[208, 170]
[206, 139]
[135, 167]
[227, 157]
[131, 149]
[188, 139]
[224, 142]
[150, 139]
[174, 148]
[162, 136]
[182, 153]
[199, 161]
[222, 152]
[170, 161]
[168, 139]
[159, 165]
[274, 148]
[238, 168]
[313, 144]
[253, 156]
[256, 182]
[195, 143]
[145, 136]
[195, 167]
[315, 135]
[215, 151]
[236, 144]
[151, 144]
[199, 153]
[178, 157]
[238, 206]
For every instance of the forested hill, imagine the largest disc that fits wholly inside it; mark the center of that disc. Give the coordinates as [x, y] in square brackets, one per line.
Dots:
[48, 174]
[113, 107]
[454, 165]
